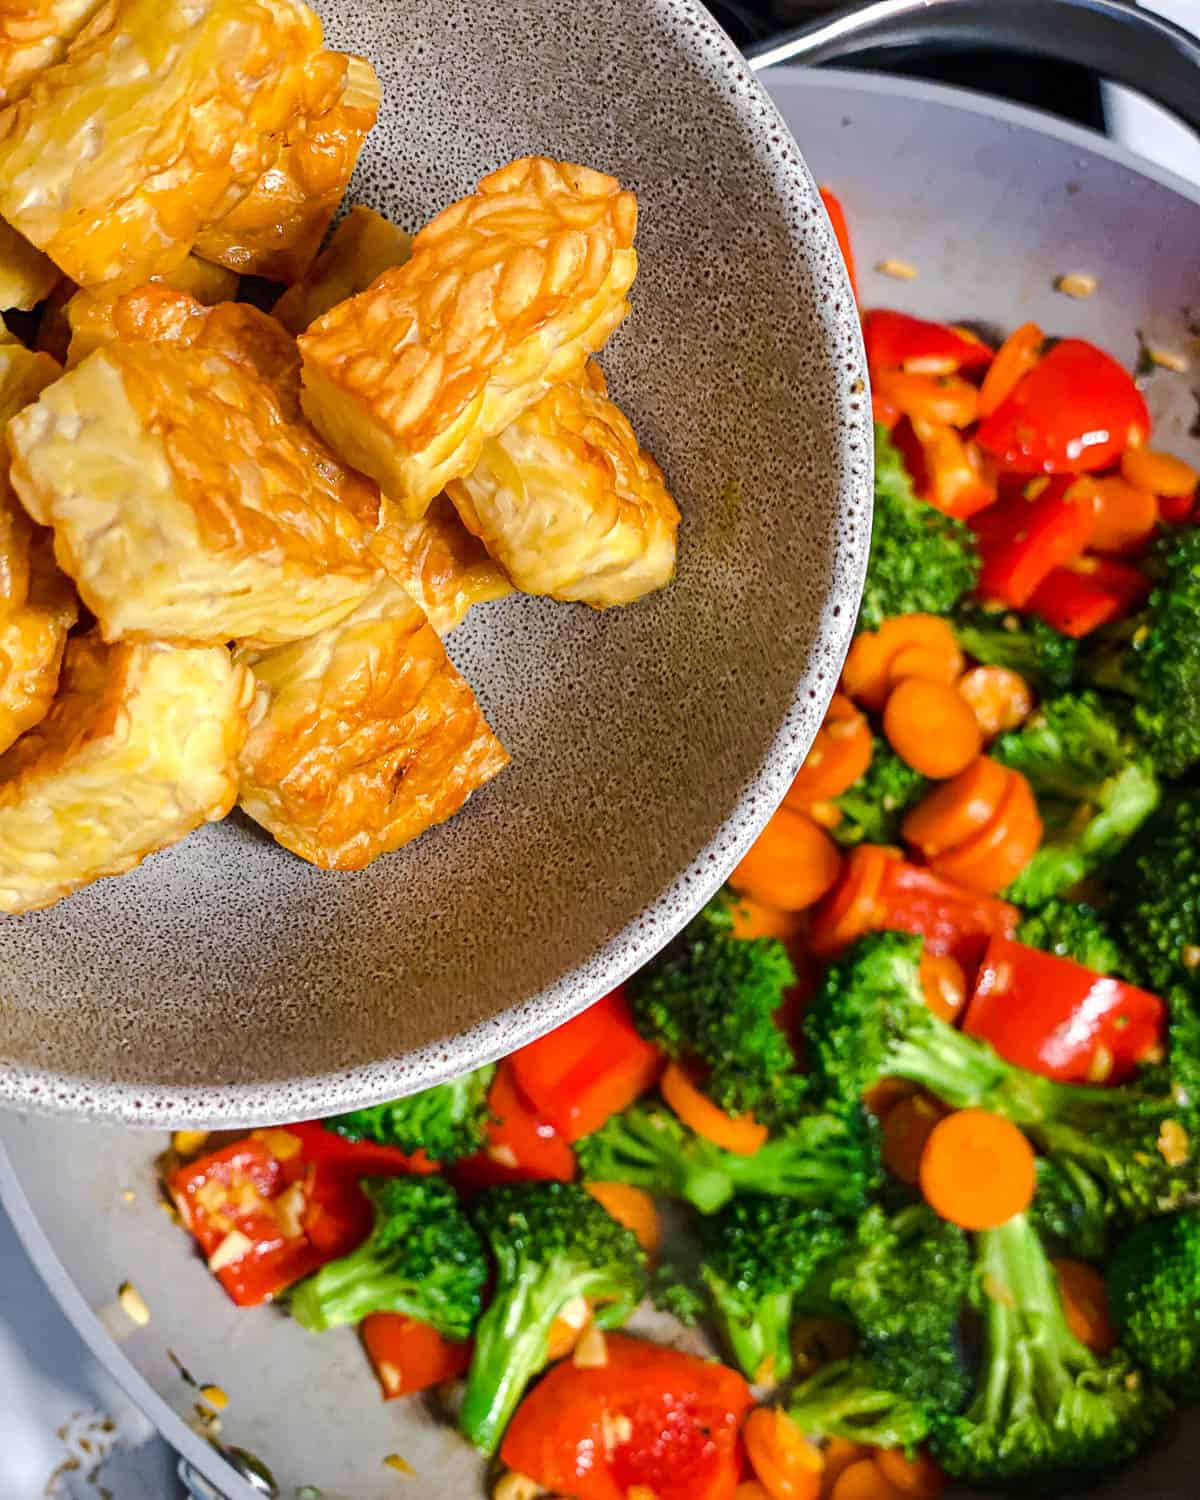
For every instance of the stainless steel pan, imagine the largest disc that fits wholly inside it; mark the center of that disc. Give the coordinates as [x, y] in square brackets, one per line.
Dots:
[990, 204]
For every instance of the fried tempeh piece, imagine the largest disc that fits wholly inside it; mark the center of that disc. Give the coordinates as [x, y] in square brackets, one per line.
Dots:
[26, 275]
[442, 566]
[185, 503]
[159, 119]
[506, 294]
[34, 34]
[363, 736]
[569, 504]
[363, 245]
[32, 640]
[138, 749]
[24, 375]
[277, 229]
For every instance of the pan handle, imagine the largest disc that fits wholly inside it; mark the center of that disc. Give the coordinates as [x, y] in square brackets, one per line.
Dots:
[1117, 39]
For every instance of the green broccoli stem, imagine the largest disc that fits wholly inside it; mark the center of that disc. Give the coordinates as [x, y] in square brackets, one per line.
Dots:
[349, 1289]
[511, 1343]
[759, 1336]
[963, 1072]
[843, 1399]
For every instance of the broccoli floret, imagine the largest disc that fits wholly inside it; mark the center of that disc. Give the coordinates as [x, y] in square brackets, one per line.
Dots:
[1048, 1413]
[552, 1243]
[1153, 1285]
[1071, 1206]
[1156, 889]
[446, 1122]
[712, 997]
[758, 1253]
[873, 807]
[423, 1258]
[1024, 643]
[675, 1291]
[828, 1161]
[921, 559]
[1093, 785]
[1154, 657]
[851, 1399]
[869, 1021]
[1073, 929]
[902, 1284]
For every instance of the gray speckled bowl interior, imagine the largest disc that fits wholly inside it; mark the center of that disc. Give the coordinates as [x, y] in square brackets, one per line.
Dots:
[227, 982]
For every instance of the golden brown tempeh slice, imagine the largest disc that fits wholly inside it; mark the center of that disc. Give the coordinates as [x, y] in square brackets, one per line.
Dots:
[363, 245]
[277, 229]
[439, 562]
[506, 294]
[24, 375]
[185, 503]
[363, 736]
[34, 34]
[159, 120]
[569, 504]
[26, 275]
[32, 640]
[139, 748]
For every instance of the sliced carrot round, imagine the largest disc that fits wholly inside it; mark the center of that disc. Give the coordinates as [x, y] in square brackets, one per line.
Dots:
[840, 754]
[1123, 514]
[1015, 357]
[958, 809]
[791, 864]
[1160, 473]
[907, 1127]
[930, 662]
[840, 1453]
[741, 1134]
[944, 984]
[919, 1476]
[1085, 1304]
[633, 1208]
[995, 856]
[751, 919]
[931, 727]
[999, 698]
[865, 673]
[864, 1480]
[852, 907]
[750, 1489]
[886, 1094]
[977, 1169]
[787, 1465]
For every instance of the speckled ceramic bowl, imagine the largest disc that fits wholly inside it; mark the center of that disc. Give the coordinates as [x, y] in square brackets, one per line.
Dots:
[227, 982]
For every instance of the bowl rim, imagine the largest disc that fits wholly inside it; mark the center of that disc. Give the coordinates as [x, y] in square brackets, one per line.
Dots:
[236, 1106]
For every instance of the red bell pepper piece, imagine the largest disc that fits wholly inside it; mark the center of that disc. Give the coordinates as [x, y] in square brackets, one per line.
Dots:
[951, 919]
[357, 1158]
[1175, 510]
[289, 1215]
[1055, 1017]
[587, 1069]
[1021, 541]
[1077, 410]
[1092, 592]
[521, 1146]
[897, 341]
[675, 1420]
[841, 232]
[408, 1355]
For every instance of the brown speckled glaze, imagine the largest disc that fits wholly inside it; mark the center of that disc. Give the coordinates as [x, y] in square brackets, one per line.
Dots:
[225, 981]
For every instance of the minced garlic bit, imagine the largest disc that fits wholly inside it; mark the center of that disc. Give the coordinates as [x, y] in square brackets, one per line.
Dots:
[188, 1142]
[591, 1352]
[615, 1430]
[514, 1486]
[282, 1144]
[902, 270]
[215, 1396]
[640, 1492]
[1168, 359]
[401, 1465]
[575, 1313]
[390, 1377]
[1190, 954]
[128, 1196]
[231, 1249]
[503, 1155]
[1173, 1144]
[133, 1304]
[1077, 284]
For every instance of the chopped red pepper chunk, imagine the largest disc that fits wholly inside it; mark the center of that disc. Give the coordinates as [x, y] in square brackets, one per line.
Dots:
[898, 341]
[1057, 1018]
[1021, 541]
[1092, 592]
[1076, 411]
[521, 1145]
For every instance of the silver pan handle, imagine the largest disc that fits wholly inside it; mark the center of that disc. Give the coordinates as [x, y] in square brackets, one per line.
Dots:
[1117, 39]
